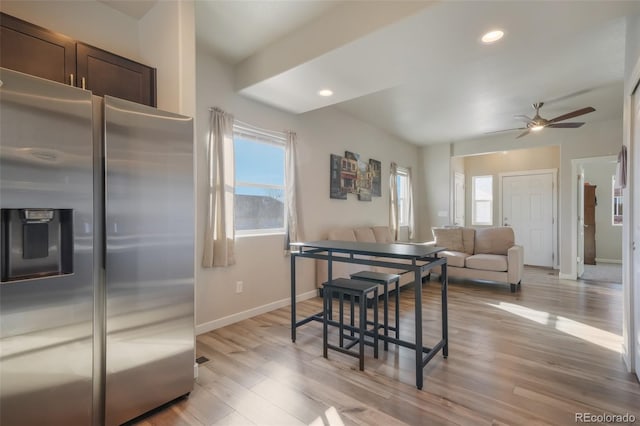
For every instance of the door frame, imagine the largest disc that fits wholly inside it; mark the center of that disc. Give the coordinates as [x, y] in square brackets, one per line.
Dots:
[464, 197]
[554, 204]
[576, 167]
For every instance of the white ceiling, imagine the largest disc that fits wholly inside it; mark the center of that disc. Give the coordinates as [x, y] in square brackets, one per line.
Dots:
[134, 8]
[417, 69]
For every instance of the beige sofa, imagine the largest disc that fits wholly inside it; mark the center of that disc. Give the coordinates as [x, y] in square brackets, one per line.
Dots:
[375, 234]
[481, 254]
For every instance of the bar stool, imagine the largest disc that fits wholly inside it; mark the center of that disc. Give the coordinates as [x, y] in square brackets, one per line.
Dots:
[384, 280]
[352, 288]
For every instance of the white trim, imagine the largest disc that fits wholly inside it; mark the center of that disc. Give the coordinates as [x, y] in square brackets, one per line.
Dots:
[562, 276]
[601, 260]
[554, 204]
[250, 313]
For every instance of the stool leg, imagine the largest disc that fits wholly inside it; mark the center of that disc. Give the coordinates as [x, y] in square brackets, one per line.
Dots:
[386, 315]
[352, 316]
[363, 326]
[325, 321]
[341, 318]
[398, 309]
[375, 324]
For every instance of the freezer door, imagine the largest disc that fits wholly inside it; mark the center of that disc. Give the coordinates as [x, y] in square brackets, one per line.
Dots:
[46, 302]
[149, 258]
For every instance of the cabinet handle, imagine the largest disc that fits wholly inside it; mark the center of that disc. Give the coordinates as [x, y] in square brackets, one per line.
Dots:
[83, 83]
[71, 82]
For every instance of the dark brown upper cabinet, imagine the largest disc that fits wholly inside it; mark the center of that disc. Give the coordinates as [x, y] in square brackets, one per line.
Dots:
[37, 51]
[107, 74]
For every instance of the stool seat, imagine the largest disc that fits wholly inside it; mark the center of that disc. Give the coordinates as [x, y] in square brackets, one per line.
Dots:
[352, 288]
[352, 285]
[375, 276]
[385, 280]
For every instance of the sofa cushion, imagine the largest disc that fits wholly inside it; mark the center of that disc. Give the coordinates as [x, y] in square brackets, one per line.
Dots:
[364, 235]
[487, 262]
[468, 239]
[496, 240]
[382, 234]
[342, 234]
[449, 238]
[454, 258]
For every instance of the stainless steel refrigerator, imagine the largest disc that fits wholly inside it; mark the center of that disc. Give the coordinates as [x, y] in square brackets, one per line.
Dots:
[97, 246]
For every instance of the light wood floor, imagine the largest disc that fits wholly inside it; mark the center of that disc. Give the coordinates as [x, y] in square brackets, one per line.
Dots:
[534, 357]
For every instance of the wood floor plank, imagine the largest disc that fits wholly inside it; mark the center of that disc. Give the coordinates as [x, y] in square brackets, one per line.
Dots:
[535, 357]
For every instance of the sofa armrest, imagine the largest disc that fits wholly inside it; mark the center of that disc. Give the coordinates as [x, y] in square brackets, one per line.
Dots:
[515, 262]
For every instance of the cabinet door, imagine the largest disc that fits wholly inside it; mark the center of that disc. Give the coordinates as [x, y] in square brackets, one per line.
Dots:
[34, 50]
[107, 74]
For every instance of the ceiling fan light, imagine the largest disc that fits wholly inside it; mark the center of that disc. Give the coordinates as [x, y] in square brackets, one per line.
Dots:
[492, 36]
[536, 128]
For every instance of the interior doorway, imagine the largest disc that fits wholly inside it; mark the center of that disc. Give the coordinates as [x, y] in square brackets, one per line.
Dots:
[599, 232]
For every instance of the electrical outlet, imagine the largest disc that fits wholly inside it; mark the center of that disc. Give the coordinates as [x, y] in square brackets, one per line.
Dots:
[239, 286]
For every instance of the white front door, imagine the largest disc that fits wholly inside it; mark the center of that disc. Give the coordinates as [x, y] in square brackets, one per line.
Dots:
[458, 199]
[580, 252]
[527, 206]
[634, 163]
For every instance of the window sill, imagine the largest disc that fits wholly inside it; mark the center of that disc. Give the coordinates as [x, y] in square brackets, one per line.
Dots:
[261, 234]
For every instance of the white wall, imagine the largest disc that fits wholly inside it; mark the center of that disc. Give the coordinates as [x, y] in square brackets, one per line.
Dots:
[434, 197]
[167, 40]
[260, 261]
[608, 237]
[547, 157]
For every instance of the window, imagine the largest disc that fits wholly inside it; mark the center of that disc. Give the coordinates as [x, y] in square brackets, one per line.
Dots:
[616, 203]
[482, 205]
[260, 190]
[403, 196]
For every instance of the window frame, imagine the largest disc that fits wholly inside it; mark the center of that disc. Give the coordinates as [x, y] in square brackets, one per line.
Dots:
[475, 200]
[616, 201]
[248, 133]
[403, 208]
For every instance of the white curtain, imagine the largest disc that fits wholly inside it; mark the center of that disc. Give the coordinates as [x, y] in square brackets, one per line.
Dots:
[220, 228]
[294, 230]
[410, 222]
[394, 208]
[394, 220]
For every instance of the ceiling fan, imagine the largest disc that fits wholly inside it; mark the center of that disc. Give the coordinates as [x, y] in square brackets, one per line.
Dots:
[538, 123]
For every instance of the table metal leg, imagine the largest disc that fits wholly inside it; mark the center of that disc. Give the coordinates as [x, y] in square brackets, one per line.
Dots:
[293, 297]
[418, 309]
[445, 325]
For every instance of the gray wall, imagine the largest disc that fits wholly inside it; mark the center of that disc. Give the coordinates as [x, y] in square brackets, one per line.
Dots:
[260, 261]
[547, 157]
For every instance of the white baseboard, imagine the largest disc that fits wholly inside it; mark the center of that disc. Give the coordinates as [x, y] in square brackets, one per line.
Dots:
[608, 260]
[567, 276]
[221, 322]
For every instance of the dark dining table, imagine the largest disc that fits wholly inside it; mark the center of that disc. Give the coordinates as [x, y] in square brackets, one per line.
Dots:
[416, 258]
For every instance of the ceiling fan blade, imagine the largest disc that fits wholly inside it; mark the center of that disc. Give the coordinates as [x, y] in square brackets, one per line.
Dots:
[505, 130]
[565, 125]
[572, 114]
[523, 118]
[525, 133]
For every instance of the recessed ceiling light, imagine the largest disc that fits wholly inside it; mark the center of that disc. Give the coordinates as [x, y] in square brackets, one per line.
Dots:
[325, 92]
[492, 36]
